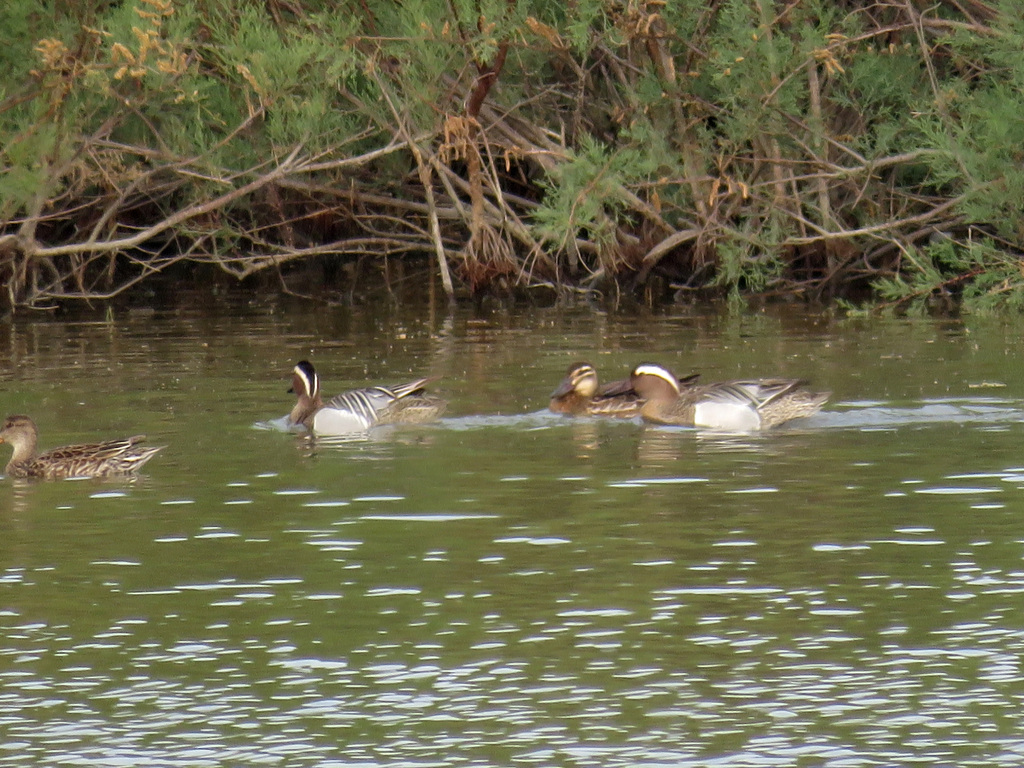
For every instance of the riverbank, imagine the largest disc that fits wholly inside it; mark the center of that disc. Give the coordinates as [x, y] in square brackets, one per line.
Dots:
[654, 151]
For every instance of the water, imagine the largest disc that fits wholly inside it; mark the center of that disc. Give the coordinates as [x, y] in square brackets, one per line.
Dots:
[509, 587]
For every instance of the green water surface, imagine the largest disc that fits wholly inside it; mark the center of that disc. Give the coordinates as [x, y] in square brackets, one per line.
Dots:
[509, 587]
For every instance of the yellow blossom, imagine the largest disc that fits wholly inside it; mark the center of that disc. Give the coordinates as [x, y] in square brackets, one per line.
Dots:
[51, 51]
[119, 52]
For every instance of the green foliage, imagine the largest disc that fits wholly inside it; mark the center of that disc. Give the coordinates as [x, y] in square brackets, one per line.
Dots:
[746, 269]
[983, 154]
[284, 71]
[983, 276]
[995, 280]
[584, 195]
[18, 20]
[976, 130]
[27, 171]
[586, 23]
[913, 291]
[761, 125]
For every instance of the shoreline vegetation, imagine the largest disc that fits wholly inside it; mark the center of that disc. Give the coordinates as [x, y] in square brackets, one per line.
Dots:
[863, 154]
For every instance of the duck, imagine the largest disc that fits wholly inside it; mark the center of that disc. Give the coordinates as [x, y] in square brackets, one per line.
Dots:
[741, 405]
[110, 457]
[358, 410]
[581, 394]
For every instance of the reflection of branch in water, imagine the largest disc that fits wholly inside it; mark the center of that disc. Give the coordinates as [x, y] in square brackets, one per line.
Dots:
[20, 494]
[311, 445]
[712, 441]
[586, 437]
[658, 448]
[376, 444]
[664, 446]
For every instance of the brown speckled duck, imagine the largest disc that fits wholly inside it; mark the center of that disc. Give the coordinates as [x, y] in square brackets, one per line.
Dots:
[111, 457]
[733, 405]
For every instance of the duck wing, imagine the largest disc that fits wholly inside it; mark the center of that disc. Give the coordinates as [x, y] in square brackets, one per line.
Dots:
[101, 451]
[756, 393]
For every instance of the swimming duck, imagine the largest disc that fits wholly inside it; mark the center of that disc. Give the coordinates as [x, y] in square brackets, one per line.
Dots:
[111, 457]
[359, 409]
[733, 405]
[580, 394]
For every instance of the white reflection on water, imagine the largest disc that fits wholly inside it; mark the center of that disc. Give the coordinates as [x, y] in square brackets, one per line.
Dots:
[218, 534]
[334, 545]
[437, 517]
[956, 491]
[645, 482]
[543, 541]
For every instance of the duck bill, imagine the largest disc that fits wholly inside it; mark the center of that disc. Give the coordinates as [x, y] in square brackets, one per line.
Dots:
[563, 389]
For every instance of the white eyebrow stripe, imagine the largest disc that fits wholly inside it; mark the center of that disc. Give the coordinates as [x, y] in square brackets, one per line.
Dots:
[312, 385]
[659, 372]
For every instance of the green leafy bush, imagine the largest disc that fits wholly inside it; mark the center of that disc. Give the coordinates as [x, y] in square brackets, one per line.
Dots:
[743, 148]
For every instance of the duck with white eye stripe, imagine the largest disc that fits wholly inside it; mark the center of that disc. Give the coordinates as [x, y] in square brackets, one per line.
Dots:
[741, 405]
[358, 410]
[580, 394]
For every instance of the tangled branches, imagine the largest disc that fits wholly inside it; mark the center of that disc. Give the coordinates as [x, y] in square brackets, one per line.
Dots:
[750, 150]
